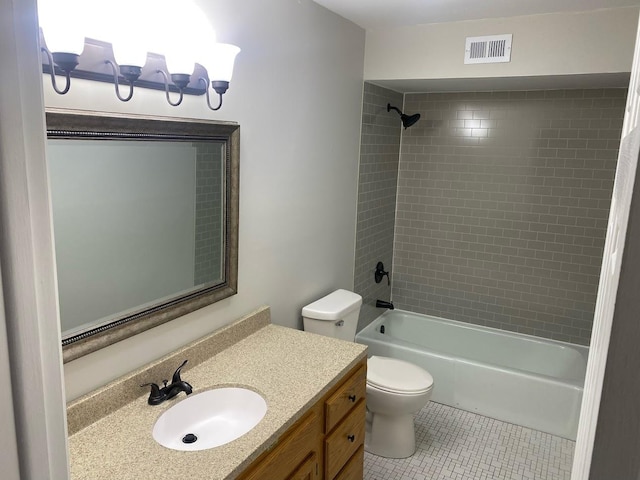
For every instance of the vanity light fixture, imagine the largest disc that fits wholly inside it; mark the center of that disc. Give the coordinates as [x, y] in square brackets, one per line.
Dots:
[98, 46]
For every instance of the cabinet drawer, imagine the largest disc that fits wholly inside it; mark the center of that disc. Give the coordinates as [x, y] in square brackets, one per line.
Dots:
[345, 398]
[345, 440]
[354, 469]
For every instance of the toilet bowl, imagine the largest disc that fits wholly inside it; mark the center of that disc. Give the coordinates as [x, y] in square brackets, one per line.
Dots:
[395, 389]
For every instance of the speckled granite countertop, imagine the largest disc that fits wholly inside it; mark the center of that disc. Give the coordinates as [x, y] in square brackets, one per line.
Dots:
[291, 369]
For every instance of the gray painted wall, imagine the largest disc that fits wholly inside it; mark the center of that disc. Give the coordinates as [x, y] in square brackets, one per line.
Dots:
[377, 186]
[556, 44]
[297, 95]
[503, 201]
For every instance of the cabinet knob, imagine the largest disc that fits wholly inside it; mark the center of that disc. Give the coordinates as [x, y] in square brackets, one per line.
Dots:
[352, 398]
[352, 438]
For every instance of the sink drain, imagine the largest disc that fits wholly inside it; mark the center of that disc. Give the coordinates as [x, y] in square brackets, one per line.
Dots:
[189, 438]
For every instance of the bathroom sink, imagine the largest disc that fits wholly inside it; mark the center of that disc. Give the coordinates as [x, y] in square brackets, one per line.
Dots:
[209, 419]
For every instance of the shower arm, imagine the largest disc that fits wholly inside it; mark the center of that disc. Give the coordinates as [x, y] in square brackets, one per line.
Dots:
[390, 107]
[407, 120]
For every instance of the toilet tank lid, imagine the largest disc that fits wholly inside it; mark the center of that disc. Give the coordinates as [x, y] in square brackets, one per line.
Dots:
[334, 306]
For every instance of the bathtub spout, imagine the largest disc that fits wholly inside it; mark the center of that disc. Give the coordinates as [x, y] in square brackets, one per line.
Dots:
[383, 304]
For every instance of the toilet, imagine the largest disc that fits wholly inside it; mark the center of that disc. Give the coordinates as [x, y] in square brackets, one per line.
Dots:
[395, 389]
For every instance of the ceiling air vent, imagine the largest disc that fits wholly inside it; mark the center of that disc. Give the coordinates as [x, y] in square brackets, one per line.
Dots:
[488, 49]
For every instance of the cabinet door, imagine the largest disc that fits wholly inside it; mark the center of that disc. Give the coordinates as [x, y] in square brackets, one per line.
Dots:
[354, 469]
[292, 450]
[309, 469]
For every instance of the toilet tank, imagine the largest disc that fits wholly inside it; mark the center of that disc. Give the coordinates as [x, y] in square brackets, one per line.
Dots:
[335, 315]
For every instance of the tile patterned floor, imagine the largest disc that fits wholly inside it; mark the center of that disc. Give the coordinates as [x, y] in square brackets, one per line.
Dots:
[456, 445]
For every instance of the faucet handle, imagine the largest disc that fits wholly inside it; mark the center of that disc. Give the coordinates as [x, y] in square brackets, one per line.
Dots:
[155, 396]
[379, 273]
[176, 375]
[188, 389]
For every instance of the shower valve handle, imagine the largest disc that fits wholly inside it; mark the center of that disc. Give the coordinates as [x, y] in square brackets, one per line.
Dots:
[379, 273]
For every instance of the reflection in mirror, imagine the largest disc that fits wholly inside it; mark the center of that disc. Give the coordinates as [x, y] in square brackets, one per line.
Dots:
[145, 222]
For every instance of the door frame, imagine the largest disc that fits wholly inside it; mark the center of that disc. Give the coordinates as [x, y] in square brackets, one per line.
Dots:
[613, 255]
[27, 254]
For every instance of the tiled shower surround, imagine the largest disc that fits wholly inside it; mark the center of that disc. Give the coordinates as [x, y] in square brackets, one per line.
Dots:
[377, 185]
[501, 208]
[209, 202]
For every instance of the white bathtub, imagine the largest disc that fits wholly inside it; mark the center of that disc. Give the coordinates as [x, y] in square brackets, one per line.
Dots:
[521, 379]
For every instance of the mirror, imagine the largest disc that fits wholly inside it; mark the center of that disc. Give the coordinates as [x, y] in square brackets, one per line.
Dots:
[145, 219]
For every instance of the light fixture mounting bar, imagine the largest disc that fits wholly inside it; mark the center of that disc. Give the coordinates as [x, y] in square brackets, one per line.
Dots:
[93, 65]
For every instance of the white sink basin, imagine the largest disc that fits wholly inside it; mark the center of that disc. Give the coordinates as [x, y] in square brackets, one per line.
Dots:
[209, 419]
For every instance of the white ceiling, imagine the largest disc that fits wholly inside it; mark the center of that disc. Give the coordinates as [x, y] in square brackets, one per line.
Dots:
[371, 14]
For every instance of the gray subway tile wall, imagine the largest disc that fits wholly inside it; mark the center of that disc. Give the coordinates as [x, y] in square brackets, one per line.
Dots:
[377, 185]
[502, 207]
[209, 203]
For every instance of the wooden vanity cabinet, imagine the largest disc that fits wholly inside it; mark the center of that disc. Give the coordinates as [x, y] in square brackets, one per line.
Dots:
[345, 412]
[354, 469]
[327, 443]
[308, 470]
[297, 455]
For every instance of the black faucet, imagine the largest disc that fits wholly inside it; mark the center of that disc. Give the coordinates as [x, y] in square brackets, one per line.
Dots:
[383, 304]
[177, 385]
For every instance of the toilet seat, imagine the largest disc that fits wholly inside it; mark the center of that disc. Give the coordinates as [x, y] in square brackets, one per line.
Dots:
[387, 391]
[397, 376]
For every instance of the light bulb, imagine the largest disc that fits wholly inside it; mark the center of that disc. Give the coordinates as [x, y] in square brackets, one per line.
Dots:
[125, 31]
[128, 53]
[179, 61]
[182, 35]
[220, 61]
[61, 24]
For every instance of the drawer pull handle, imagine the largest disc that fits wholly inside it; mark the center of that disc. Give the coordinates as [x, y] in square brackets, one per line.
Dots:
[352, 398]
[352, 438]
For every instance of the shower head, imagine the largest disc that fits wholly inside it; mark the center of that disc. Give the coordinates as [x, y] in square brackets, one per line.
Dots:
[407, 120]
